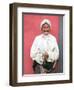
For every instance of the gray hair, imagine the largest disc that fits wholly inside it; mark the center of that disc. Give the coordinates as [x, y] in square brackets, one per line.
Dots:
[45, 21]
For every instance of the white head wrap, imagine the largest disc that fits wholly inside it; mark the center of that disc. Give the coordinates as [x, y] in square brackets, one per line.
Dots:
[45, 21]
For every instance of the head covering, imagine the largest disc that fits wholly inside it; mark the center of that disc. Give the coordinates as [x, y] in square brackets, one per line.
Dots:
[45, 21]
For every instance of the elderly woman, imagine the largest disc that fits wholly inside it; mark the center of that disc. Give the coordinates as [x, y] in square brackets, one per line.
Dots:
[44, 51]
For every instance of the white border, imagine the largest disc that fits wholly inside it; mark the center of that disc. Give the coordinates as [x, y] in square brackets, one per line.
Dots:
[43, 77]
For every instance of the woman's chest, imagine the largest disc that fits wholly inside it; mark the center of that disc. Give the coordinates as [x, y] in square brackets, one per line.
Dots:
[46, 43]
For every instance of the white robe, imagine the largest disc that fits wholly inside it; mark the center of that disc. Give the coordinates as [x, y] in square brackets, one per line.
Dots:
[42, 44]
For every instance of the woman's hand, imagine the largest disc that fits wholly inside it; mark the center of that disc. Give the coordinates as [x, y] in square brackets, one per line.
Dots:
[45, 56]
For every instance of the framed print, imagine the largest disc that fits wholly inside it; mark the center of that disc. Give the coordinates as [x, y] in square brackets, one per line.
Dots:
[40, 44]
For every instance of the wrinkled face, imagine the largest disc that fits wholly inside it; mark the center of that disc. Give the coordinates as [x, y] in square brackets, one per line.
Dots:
[45, 29]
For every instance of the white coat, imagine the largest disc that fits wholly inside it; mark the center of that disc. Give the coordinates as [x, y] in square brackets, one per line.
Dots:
[44, 43]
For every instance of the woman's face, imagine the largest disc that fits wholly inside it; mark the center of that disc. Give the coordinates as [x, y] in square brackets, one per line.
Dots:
[45, 29]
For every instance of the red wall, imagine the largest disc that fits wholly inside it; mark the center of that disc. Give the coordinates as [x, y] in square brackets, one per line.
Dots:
[32, 29]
